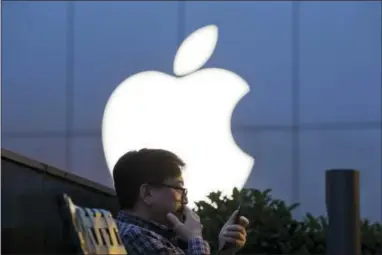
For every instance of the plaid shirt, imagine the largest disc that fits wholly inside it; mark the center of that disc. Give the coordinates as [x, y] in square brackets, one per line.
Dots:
[141, 237]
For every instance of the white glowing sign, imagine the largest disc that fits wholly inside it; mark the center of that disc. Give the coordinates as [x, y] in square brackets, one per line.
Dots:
[189, 115]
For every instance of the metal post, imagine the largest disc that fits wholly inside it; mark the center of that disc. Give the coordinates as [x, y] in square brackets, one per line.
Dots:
[342, 202]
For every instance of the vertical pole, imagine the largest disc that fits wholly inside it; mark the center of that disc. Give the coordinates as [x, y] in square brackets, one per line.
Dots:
[342, 203]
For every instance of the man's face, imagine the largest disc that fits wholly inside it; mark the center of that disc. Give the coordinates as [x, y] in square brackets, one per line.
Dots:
[169, 196]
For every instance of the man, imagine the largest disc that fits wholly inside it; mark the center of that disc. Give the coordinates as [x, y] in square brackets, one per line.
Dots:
[154, 218]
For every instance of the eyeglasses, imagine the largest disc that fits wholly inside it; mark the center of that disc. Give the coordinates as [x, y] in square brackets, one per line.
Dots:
[184, 190]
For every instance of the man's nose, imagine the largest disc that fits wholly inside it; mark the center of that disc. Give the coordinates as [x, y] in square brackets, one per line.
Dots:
[185, 200]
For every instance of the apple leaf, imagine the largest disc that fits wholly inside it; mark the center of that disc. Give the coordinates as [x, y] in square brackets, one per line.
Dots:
[195, 50]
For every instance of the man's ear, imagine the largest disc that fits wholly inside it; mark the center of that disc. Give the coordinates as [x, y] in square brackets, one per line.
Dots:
[145, 193]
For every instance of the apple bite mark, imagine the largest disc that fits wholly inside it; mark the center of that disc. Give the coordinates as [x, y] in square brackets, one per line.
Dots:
[195, 50]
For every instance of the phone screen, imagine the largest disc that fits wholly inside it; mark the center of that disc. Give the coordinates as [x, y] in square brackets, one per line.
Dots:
[237, 218]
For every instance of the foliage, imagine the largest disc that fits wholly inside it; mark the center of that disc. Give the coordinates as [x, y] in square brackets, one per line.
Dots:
[272, 229]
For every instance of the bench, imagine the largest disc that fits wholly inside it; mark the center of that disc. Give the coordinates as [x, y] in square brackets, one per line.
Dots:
[90, 230]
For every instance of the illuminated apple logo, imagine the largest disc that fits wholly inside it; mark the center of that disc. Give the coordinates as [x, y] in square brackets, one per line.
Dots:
[189, 115]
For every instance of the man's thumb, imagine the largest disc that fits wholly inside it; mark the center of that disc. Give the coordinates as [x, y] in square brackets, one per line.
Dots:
[173, 220]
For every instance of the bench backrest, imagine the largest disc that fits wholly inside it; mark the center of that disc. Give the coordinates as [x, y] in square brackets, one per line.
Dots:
[95, 229]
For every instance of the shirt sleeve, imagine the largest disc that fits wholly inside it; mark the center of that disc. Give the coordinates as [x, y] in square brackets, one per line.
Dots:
[197, 246]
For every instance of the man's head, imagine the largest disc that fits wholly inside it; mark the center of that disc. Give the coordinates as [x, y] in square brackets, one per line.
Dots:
[149, 181]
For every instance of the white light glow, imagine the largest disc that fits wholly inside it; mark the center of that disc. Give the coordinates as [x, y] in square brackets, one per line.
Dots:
[190, 116]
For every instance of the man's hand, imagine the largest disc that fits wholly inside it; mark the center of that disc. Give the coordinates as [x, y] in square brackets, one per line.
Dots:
[233, 234]
[188, 230]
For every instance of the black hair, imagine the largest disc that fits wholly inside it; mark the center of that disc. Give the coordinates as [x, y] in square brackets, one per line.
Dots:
[135, 168]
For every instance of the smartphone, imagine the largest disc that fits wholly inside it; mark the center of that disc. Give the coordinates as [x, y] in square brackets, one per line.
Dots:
[237, 218]
[236, 221]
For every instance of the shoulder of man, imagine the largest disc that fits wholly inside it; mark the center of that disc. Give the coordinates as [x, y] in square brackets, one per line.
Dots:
[138, 240]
